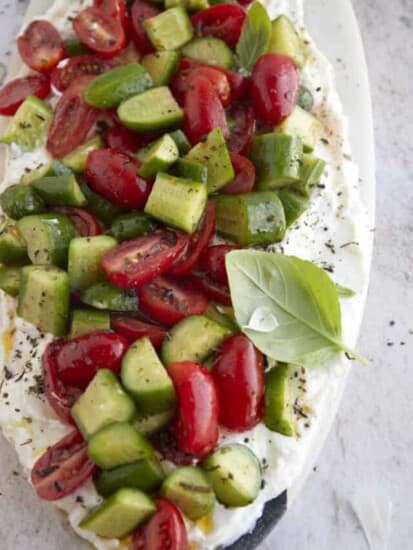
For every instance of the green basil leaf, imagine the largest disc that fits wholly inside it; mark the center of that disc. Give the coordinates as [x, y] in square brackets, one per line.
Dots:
[344, 292]
[255, 36]
[288, 307]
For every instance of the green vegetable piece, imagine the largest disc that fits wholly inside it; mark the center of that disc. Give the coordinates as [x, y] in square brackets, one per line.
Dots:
[170, 30]
[21, 200]
[102, 403]
[120, 514]
[213, 313]
[190, 489]
[181, 141]
[255, 36]
[35, 169]
[177, 202]
[157, 157]
[252, 219]
[294, 204]
[210, 50]
[302, 125]
[191, 169]
[10, 279]
[214, 154]
[13, 249]
[344, 292]
[147, 424]
[312, 169]
[305, 99]
[100, 207]
[110, 297]
[131, 225]
[279, 404]
[74, 47]
[88, 320]
[44, 298]
[112, 87]
[235, 474]
[285, 40]
[161, 66]
[85, 260]
[76, 160]
[57, 168]
[189, 5]
[59, 190]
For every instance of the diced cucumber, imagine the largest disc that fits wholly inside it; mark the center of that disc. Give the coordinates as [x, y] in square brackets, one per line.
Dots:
[210, 50]
[252, 219]
[285, 40]
[294, 204]
[235, 473]
[110, 297]
[120, 514]
[21, 200]
[214, 154]
[47, 237]
[145, 474]
[277, 159]
[131, 225]
[312, 169]
[161, 66]
[88, 320]
[221, 318]
[177, 202]
[29, 125]
[112, 87]
[170, 30]
[189, 5]
[157, 157]
[76, 160]
[147, 424]
[102, 403]
[190, 489]
[60, 190]
[279, 412]
[153, 110]
[57, 168]
[10, 279]
[44, 298]
[193, 339]
[181, 141]
[302, 125]
[85, 260]
[191, 169]
[99, 206]
[305, 99]
[74, 47]
[13, 249]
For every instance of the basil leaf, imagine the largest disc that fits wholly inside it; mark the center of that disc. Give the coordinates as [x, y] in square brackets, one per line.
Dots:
[255, 36]
[344, 292]
[288, 307]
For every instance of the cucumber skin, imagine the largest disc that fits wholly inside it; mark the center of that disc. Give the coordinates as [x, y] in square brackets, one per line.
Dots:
[13, 249]
[161, 66]
[148, 424]
[276, 417]
[146, 475]
[10, 279]
[209, 50]
[88, 320]
[174, 19]
[133, 224]
[294, 204]
[109, 297]
[76, 160]
[84, 264]
[21, 200]
[59, 190]
[100, 207]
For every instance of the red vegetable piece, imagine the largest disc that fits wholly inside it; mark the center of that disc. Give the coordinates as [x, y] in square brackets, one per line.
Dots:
[244, 180]
[238, 83]
[116, 9]
[241, 120]
[41, 46]
[223, 21]
[100, 32]
[214, 290]
[213, 262]
[141, 11]
[119, 137]
[133, 329]
[70, 70]
[85, 223]
[15, 92]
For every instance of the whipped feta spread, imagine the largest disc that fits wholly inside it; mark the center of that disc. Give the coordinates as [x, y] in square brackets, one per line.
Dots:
[333, 233]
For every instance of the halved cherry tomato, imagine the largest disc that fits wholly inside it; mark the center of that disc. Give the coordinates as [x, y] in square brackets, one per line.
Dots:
[165, 443]
[129, 54]
[15, 92]
[41, 46]
[133, 329]
[241, 120]
[136, 262]
[73, 120]
[244, 179]
[85, 223]
[214, 290]
[62, 468]
[140, 11]
[116, 9]
[113, 174]
[166, 300]
[274, 87]
[164, 531]
[100, 32]
[203, 110]
[239, 371]
[186, 262]
[195, 425]
[70, 70]
[238, 83]
[119, 137]
[223, 21]
[78, 359]
[213, 261]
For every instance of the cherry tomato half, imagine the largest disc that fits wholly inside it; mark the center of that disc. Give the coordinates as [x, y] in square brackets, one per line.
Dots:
[86, 225]
[41, 46]
[70, 70]
[15, 92]
[133, 329]
[119, 137]
[100, 32]
[223, 21]
[141, 11]
[244, 179]
[62, 468]
[136, 262]
[113, 174]
[214, 290]
[165, 529]
[241, 120]
[116, 9]
[213, 261]
[274, 87]
[238, 83]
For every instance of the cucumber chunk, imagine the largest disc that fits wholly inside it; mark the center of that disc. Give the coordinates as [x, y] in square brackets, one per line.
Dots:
[44, 298]
[57, 168]
[221, 318]
[181, 141]
[102, 403]
[210, 50]
[193, 339]
[189, 5]
[285, 40]
[99, 206]
[190, 489]
[21, 200]
[157, 157]
[47, 237]
[152, 110]
[161, 66]
[302, 125]
[311, 171]
[10, 279]
[191, 169]
[235, 474]
[177, 202]
[294, 204]
[76, 160]
[118, 444]
[279, 403]
[60, 190]
[112, 87]
[131, 225]
[88, 320]
[13, 249]
[147, 424]
[170, 30]
[110, 297]
[85, 260]
[252, 219]
[305, 99]
[120, 514]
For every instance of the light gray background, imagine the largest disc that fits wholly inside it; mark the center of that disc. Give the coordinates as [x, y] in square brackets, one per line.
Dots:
[371, 445]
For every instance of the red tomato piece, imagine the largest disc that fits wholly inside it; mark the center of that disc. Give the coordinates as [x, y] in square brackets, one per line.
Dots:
[244, 180]
[62, 468]
[241, 120]
[41, 46]
[85, 223]
[119, 137]
[116, 9]
[223, 21]
[203, 110]
[166, 300]
[133, 329]
[15, 92]
[238, 83]
[113, 174]
[214, 290]
[165, 529]
[165, 443]
[141, 11]
[70, 70]
[213, 262]
[136, 262]
[239, 371]
[274, 87]
[100, 32]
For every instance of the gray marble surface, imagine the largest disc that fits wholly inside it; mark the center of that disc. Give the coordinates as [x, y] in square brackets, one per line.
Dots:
[371, 444]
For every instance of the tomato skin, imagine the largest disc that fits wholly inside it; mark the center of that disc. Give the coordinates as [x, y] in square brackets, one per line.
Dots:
[133, 263]
[15, 92]
[119, 137]
[213, 261]
[116, 9]
[100, 32]
[86, 224]
[164, 530]
[274, 87]
[242, 126]
[82, 65]
[244, 180]
[62, 468]
[140, 11]
[113, 174]
[41, 46]
[214, 290]
[223, 21]
[238, 83]
[239, 371]
[133, 329]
